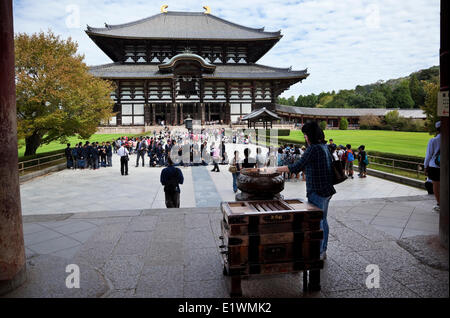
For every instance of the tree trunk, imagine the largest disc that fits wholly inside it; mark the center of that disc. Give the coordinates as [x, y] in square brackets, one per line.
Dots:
[32, 143]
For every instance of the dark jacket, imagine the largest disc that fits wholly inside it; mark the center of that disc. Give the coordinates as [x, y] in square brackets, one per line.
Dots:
[108, 151]
[68, 153]
[171, 177]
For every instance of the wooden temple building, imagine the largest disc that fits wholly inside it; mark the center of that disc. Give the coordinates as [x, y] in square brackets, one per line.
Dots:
[332, 116]
[178, 64]
[261, 118]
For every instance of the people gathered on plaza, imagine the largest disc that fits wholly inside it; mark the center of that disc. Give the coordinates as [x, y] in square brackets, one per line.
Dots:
[204, 147]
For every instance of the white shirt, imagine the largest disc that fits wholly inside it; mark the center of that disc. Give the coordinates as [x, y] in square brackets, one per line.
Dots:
[122, 151]
[434, 145]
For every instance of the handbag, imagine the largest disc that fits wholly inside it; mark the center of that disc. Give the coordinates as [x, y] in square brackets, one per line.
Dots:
[232, 169]
[338, 172]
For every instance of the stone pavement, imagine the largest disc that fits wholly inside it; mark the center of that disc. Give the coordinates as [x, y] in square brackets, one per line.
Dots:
[174, 253]
[105, 189]
[71, 191]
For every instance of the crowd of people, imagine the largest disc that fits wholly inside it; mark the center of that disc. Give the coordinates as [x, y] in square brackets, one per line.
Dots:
[191, 149]
[89, 156]
[346, 156]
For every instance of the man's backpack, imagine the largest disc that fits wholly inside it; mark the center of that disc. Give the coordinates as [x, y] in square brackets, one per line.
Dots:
[350, 156]
[437, 159]
[366, 159]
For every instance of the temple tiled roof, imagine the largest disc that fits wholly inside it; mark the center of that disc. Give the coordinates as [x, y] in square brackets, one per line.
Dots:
[348, 112]
[243, 71]
[261, 113]
[183, 25]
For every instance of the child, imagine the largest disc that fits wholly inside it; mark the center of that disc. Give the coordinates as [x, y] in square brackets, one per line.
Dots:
[362, 159]
[349, 158]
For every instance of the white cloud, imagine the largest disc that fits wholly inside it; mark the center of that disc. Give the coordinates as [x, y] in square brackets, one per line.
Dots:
[342, 43]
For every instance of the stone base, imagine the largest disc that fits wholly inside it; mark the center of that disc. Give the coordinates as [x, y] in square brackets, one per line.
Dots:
[7, 286]
[244, 196]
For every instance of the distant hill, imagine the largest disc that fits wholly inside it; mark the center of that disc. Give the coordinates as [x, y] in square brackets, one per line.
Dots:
[422, 75]
[404, 92]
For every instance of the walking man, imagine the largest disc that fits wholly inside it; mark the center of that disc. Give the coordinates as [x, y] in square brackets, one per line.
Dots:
[123, 154]
[108, 154]
[433, 162]
[141, 150]
[171, 178]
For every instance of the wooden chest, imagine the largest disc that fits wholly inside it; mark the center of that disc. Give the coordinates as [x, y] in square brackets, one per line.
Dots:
[270, 236]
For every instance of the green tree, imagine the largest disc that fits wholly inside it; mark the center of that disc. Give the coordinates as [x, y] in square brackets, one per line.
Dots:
[282, 101]
[342, 99]
[307, 101]
[377, 100]
[401, 96]
[57, 97]
[343, 123]
[325, 100]
[430, 106]
[428, 74]
[323, 125]
[386, 91]
[370, 122]
[291, 101]
[392, 119]
[416, 91]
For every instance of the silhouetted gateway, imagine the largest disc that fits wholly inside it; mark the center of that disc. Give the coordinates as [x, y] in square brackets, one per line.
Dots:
[178, 64]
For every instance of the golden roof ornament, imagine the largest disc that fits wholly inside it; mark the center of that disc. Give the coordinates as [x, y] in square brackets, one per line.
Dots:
[208, 10]
[164, 8]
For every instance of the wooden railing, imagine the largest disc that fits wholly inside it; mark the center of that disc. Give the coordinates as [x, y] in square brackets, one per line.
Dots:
[39, 163]
[395, 164]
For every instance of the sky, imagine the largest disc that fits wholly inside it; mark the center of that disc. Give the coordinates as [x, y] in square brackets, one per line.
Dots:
[341, 43]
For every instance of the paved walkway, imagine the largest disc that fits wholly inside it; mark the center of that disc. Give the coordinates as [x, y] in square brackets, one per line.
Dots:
[72, 191]
[174, 253]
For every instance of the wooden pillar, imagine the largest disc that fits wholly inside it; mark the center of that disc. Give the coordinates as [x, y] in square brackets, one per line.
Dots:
[253, 95]
[119, 104]
[202, 113]
[167, 113]
[227, 105]
[181, 114]
[444, 86]
[153, 114]
[12, 249]
[174, 114]
[209, 111]
[173, 105]
[221, 112]
[147, 114]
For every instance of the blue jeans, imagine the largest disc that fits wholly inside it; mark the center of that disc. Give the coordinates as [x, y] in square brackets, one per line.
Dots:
[321, 203]
[235, 176]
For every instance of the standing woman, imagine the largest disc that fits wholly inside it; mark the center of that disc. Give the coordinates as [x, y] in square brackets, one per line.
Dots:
[317, 163]
[235, 169]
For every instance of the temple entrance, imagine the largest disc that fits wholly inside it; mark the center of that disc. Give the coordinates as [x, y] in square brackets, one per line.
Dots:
[189, 110]
[215, 117]
[213, 112]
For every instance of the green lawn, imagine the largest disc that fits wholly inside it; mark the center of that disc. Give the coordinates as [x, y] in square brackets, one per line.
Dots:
[398, 142]
[72, 140]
